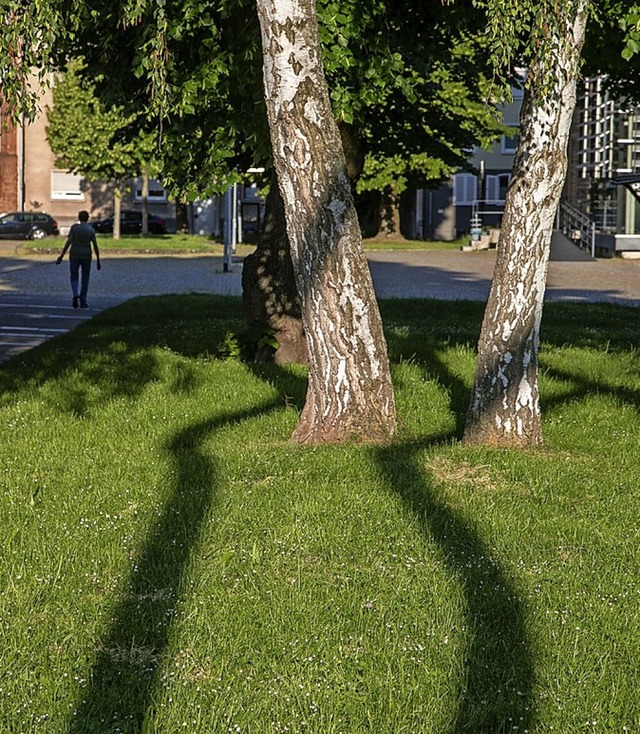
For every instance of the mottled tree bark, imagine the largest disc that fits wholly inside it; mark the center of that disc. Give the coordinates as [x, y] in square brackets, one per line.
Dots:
[505, 407]
[349, 395]
[269, 294]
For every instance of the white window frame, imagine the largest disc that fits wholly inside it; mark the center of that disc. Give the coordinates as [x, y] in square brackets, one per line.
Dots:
[157, 192]
[66, 186]
[465, 189]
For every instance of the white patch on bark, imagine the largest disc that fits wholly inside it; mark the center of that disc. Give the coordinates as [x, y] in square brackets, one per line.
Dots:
[525, 394]
[288, 62]
[312, 113]
[361, 340]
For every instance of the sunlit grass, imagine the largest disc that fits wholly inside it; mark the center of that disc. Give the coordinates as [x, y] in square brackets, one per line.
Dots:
[169, 243]
[408, 244]
[189, 243]
[171, 562]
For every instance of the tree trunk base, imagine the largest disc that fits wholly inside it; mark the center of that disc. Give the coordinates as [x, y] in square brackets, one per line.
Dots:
[476, 436]
[384, 236]
[364, 431]
[271, 311]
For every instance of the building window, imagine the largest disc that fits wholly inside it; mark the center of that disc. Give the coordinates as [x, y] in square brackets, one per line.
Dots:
[157, 193]
[510, 142]
[465, 189]
[66, 186]
[497, 188]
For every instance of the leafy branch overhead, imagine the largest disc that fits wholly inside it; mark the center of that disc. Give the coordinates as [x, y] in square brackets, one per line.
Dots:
[91, 138]
[412, 79]
[630, 24]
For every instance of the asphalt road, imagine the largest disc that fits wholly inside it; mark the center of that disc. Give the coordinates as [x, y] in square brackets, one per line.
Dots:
[35, 297]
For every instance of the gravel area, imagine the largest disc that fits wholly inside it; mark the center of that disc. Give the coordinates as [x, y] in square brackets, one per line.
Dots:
[573, 275]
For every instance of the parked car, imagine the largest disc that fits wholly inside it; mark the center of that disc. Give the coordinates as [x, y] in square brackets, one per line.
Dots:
[131, 223]
[26, 225]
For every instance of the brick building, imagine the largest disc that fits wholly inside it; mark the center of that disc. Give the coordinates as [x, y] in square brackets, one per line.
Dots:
[8, 167]
[31, 181]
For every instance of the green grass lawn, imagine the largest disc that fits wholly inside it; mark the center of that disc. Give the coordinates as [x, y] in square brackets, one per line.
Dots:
[190, 243]
[170, 243]
[171, 562]
[403, 245]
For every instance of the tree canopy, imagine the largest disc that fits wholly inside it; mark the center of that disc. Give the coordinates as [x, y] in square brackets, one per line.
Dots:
[409, 78]
[101, 142]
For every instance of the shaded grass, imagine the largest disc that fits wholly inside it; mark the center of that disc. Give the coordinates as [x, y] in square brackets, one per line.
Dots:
[173, 563]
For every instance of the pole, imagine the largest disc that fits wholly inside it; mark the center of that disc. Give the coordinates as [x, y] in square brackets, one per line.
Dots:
[22, 150]
[230, 237]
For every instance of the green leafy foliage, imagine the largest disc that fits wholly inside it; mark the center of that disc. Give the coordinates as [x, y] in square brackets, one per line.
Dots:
[630, 24]
[529, 33]
[410, 80]
[612, 47]
[28, 32]
[88, 137]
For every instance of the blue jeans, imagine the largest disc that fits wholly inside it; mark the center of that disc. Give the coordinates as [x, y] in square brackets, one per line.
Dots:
[80, 268]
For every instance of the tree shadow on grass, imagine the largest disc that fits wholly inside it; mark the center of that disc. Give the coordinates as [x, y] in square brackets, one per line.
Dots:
[115, 354]
[124, 676]
[582, 388]
[497, 693]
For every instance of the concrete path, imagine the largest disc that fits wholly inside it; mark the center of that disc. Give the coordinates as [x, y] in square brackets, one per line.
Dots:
[35, 297]
[573, 275]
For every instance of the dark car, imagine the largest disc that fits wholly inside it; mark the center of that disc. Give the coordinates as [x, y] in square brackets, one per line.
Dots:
[131, 223]
[26, 226]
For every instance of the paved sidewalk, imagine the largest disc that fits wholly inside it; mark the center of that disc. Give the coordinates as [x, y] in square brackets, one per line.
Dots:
[35, 299]
[573, 275]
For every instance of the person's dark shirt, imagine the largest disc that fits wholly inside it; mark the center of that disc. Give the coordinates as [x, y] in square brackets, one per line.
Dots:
[82, 235]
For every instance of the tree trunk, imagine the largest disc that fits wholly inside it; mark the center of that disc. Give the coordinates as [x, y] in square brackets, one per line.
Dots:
[117, 207]
[389, 215]
[145, 202]
[504, 408]
[349, 395]
[269, 295]
[352, 149]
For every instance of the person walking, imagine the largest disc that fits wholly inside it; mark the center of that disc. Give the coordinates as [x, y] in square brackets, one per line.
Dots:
[81, 238]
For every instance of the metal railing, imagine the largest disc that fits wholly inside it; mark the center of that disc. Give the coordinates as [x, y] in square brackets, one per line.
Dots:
[577, 226]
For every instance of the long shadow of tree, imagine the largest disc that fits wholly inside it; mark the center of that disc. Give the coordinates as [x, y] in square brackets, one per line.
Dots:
[124, 675]
[112, 355]
[497, 694]
[580, 387]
